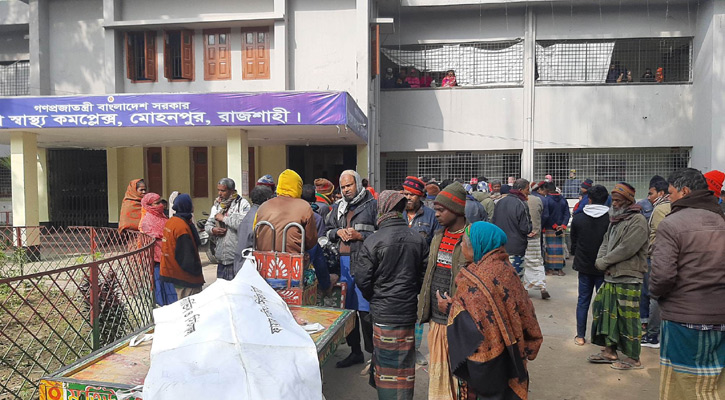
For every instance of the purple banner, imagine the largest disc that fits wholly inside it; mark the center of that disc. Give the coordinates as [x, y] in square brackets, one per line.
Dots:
[205, 109]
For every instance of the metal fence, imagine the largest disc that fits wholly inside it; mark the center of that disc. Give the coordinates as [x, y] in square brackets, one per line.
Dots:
[65, 293]
[614, 60]
[15, 78]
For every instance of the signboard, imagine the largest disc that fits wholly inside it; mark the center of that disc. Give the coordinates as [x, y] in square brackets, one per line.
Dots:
[163, 110]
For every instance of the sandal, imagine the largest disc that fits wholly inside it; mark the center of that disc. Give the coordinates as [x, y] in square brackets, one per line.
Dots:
[624, 366]
[600, 359]
[561, 272]
[578, 343]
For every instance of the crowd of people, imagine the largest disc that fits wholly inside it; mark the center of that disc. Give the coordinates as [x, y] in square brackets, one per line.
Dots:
[620, 74]
[461, 257]
[413, 78]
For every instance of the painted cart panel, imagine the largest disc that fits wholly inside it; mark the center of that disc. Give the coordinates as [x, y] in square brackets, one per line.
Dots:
[116, 369]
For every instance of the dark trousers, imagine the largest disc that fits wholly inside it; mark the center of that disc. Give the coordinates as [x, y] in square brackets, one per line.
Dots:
[644, 298]
[363, 322]
[588, 284]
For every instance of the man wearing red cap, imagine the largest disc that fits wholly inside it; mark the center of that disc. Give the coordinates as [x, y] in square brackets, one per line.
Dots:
[422, 220]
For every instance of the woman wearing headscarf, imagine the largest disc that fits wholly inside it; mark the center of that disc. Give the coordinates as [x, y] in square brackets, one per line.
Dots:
[180, 262]
[131, 206]
[492, 326]
[152, 224]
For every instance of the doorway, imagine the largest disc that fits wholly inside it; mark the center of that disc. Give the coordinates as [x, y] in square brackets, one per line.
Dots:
[313, 162]
[77, 187]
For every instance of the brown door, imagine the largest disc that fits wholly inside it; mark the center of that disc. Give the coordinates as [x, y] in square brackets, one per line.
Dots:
[216, 54]
[201, 170]
[154, 170]
[255, 54]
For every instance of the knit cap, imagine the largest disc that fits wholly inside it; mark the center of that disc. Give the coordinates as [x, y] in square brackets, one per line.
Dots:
[414, 185]
[587, 184]
[266, 180]
[453, 197]
[324, 186]
[714, 180]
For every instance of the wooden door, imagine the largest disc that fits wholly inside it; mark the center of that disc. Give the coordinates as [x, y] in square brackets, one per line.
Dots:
[154, 171]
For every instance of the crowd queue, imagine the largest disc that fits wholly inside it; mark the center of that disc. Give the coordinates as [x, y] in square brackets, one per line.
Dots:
[461, 257]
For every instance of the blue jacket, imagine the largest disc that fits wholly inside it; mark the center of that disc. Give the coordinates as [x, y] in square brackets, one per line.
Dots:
[474, 210]
[558, 211]
[579, 208]
[424, 222]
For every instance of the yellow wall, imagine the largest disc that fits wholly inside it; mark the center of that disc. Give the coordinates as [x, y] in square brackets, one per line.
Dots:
[43, 185]
[362, 160]
[272, 160]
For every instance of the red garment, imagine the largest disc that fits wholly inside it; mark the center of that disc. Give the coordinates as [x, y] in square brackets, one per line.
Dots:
[425, 81]
[153, 221]
[130, 208]
[448, 244]
[372, 191]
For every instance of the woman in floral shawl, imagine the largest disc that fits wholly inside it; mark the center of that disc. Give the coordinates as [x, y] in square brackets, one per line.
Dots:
[130, 217]
[152, 224]
[492, 326]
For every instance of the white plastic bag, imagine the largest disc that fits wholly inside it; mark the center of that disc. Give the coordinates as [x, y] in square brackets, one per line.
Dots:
[234, 340]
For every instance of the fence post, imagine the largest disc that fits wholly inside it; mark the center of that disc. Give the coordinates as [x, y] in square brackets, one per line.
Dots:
[93, 244]
[95, 307]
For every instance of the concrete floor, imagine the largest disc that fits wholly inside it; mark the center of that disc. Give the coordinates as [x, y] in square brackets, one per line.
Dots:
[560, 372]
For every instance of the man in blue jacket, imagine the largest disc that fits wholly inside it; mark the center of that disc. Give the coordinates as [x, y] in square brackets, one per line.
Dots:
[554, 229]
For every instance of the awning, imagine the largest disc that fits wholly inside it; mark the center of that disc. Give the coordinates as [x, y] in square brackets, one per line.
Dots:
[189, 119]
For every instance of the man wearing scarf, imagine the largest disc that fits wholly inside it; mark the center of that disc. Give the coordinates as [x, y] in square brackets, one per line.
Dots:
[688, 280]
[323, 196]
[180, 264]
[223, 224]
[623, 258]
[512, 216]
[492, 327]
[389, 273]
[554, 228]
[349, 223]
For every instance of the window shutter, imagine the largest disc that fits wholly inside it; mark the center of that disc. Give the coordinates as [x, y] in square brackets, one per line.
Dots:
[248, 55]
[375, 51]
[129, 57]
[187, 54]
[150, 43]
[167, 56]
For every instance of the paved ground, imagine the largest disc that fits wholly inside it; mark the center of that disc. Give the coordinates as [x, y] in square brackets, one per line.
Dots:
[560, 372]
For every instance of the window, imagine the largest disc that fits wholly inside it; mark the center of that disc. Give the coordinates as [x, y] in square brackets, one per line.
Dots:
[14, 78]
[200, 166]
[179, 55]
[217, 65]
[255, 53]
[613, 60]
[141, 56]
[475, 64]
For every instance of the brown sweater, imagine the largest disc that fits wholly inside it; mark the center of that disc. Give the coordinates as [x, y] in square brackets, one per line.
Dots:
[688, 274]
[180, 263]
[280, 211]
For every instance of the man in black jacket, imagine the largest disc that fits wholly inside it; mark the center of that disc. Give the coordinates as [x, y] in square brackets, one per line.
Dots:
[587, 233]
[389, 272]
[512, 216]
[348, 224]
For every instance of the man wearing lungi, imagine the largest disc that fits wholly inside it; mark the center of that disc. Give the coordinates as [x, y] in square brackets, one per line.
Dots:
[623, 258]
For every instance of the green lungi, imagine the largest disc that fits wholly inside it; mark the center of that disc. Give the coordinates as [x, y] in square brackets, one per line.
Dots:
[615, 318]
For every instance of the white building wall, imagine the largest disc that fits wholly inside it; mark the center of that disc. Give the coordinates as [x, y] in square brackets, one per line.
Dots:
[177, 9]
[76, 47]
[14, 12]
[322, 46]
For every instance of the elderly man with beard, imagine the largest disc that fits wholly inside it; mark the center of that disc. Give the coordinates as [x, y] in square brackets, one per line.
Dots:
[349, 223]
[422, 220]
[225, 219]
[623, 258]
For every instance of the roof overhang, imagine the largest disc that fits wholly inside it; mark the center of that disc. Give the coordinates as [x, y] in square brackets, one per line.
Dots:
[190, 119]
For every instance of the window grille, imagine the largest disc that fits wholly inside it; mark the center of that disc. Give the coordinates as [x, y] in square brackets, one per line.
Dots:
[6, 184]
[474, 64]
[14, 78]
[608, 166]
[607, 61]
[442, 166]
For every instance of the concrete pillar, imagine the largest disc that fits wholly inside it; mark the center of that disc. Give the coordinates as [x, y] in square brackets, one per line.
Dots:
[113, 67]
[44, 213]
[24, 167]
[527, 155]
[39, 30]
[238, 159]
[114, 209]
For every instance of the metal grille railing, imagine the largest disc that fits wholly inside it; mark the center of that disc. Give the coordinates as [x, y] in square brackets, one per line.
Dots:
[474, 64]
[442, 166]
[608, 166]
[65, 293]
[15, 78]
[614, 60]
